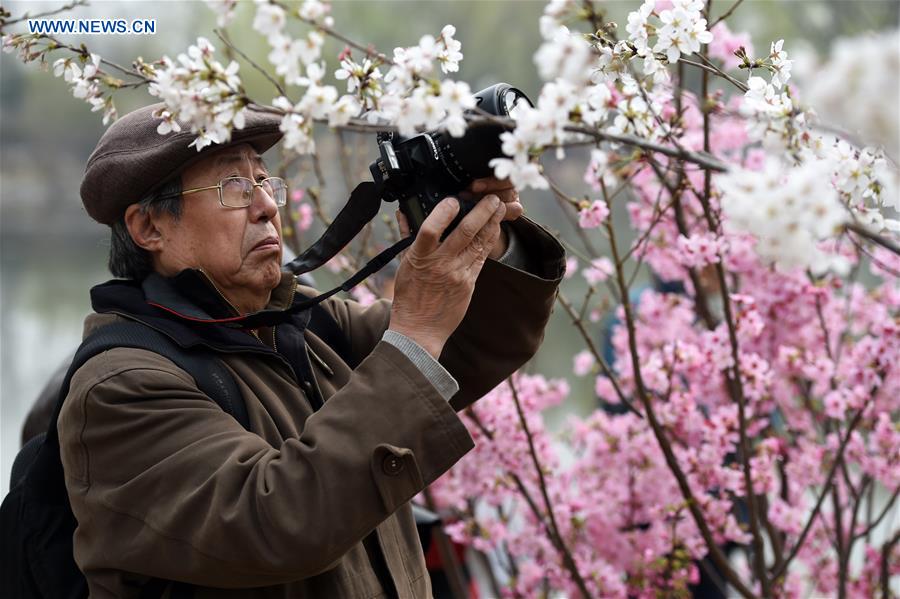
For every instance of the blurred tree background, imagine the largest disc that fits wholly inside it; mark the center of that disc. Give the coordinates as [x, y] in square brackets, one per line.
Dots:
[51, 253]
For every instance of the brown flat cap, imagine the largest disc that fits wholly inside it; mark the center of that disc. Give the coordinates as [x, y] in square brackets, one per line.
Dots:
[132, 159]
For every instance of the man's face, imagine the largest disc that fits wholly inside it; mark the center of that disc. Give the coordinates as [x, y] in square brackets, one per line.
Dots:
[238, 248]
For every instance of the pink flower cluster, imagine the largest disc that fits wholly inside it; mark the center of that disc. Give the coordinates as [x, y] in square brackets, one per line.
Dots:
[802, 370]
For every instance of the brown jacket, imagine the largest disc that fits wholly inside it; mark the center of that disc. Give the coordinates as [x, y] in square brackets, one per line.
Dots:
[164, 484]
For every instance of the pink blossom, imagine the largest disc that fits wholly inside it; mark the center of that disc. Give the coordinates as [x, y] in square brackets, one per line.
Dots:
[571, 266]
[363, 295]
[725, 43]
[583, 362]
[599, 270]
[304, 217]
[593, 216]
[698, 250]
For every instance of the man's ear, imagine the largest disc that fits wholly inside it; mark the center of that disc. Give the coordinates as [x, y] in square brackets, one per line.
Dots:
[143, 227]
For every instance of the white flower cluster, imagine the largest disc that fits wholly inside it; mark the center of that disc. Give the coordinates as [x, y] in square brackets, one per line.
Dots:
[290, 55]
[681, 31]
[789, 209]
[413, 100]
[296, 59]
[770, 113]
[779, 64]
[85, 84]
[85, 80]
[417, 62]
[859, 88]
[563, 55]
[578, 90]
[867, 184]
[224, 10]
[362, 78]
[544, 125]
[636, 117]
[449, 53]
[199, 90]
[319, 102]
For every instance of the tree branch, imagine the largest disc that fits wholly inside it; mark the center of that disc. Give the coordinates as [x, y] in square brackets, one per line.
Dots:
[874, 237]
[829, 480]
[607, 371]
[715, 552]
[726, 14]
[568, 560]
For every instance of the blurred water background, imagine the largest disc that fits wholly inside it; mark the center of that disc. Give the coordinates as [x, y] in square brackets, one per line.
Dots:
[51, 253]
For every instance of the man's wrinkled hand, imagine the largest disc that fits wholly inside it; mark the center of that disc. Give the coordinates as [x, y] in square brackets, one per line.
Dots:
[508, 194]
[436, 279]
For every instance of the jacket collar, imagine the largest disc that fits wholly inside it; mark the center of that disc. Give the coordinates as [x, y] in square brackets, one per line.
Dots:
[192, 295]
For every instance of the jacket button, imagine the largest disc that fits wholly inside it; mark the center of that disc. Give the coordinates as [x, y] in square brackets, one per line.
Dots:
[392, 465]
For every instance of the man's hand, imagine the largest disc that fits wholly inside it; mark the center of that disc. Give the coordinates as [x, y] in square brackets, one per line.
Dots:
[503, 189]
[436, 279]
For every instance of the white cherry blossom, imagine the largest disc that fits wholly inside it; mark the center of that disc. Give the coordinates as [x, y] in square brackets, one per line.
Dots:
[224, 10]
[522, 174]
[270, 19]
[346, 108]
[450, 55]
[787, 208]
[781, 66]
[317, 12]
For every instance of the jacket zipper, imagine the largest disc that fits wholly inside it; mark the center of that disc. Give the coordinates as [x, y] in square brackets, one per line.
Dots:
[318, 360]
[232, 306]
[222, 295]
[313, 377]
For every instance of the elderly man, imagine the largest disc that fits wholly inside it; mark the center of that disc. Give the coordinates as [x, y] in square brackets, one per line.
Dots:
[172, 495]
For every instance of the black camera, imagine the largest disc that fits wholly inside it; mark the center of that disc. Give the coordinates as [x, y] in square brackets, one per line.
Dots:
[420, 171]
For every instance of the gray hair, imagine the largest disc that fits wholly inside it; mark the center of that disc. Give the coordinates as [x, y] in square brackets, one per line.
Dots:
[127, 259]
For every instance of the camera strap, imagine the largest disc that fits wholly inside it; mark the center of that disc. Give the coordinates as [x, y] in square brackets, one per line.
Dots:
[361, 208]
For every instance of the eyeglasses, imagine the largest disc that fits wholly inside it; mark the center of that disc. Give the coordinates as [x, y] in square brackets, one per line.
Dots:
[237, 192]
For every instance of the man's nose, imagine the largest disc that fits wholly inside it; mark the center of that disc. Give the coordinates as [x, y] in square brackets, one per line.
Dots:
[262, 205]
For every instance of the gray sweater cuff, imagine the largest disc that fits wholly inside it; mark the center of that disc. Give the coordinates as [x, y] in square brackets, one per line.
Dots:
[436, 374]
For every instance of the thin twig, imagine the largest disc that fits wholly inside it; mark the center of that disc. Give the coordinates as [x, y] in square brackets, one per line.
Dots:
[829, 480]
[251, 62]
[369, 50]
[83, 51]
[726, 14]
[49, 13]
[874, 523]
[568, 560]
[607, 371]
[710, 67]
[698, 158]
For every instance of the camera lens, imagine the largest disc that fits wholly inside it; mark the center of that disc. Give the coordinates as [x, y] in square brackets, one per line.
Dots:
[509, 100]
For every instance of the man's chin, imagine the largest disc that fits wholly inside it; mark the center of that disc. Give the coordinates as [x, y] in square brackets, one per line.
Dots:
[271, 273]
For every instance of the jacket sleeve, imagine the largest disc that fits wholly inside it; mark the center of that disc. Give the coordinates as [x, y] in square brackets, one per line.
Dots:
[504, 325]
[165, 484]
[505, 322]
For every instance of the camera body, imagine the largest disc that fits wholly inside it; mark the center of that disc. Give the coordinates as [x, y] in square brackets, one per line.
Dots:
[419, 171]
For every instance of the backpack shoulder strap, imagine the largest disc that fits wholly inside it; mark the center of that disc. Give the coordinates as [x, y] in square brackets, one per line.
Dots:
[36, 517]
[208, 372]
